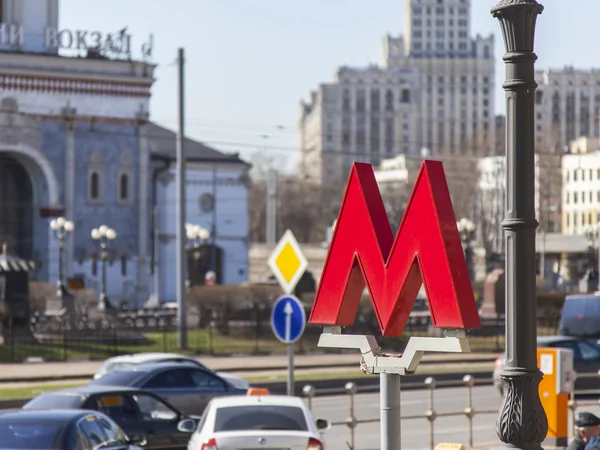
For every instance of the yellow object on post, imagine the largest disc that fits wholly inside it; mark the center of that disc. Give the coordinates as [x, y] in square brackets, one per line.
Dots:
[557, 366]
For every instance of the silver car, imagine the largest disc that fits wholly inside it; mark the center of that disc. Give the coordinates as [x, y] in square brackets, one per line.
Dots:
[127, 361]
[186, 386]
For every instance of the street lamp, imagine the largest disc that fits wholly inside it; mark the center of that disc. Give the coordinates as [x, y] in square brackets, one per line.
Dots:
[196, 236]
[592, 232]
[522, 422]
[466, 229]
[102, 236]
[61, 228]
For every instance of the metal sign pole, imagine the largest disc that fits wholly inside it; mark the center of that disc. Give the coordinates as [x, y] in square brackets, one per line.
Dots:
[390, 411]
[290, 380]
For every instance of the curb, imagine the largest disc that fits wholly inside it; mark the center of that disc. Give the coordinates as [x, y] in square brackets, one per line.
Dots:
[80, 376]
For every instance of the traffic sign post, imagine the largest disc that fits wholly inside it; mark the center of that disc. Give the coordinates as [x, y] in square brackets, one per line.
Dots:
[288, 319]
[427, 250]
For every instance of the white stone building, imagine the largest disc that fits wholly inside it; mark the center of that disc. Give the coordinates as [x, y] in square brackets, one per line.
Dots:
[434, 88]
[581, 186]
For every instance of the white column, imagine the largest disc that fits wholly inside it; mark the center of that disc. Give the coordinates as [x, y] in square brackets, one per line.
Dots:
[142, 290]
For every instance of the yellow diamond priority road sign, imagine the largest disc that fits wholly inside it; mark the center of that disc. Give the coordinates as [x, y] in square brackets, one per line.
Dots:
[287, 262]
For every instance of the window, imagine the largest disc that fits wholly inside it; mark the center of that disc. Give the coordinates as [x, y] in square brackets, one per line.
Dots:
[94, 186]
[124, 266]
[171, 379]
[405, 96]
[92, 431]
[263, 417]
[124, 187]
[588, 352]
[206, 380]
[114, 435]
[153, 409]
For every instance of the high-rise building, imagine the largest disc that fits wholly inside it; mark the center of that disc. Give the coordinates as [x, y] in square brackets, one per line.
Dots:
[567, 107]
[434, 88]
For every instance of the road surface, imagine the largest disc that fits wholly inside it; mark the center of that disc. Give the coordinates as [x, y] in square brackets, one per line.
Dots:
[415, 432]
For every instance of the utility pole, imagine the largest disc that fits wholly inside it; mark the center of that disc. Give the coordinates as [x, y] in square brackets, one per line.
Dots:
[272, 206]
[522, 423]
[180, 209]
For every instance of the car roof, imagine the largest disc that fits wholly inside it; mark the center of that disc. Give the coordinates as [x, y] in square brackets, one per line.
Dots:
[251, 400]
[549, 339]
[93, 389]
[140, 358]
[152, 366]
[51, 415]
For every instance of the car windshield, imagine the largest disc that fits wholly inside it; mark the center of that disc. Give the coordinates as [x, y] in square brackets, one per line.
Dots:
[260, 417]
[114, 366]
[58, 401]
[118, 378]
[30, 436]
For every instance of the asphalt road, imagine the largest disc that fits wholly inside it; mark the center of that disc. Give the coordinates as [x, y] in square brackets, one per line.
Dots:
[415, 432]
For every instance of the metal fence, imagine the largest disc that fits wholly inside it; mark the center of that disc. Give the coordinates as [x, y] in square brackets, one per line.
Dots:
[431, 415]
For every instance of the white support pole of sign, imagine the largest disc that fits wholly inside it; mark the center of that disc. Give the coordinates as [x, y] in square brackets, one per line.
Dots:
[290, 380]
[390, 411]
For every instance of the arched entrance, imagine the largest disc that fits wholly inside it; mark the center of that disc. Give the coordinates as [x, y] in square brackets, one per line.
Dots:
[16, 207]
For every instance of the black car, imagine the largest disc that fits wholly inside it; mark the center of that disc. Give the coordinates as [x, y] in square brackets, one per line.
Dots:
[136, 411]
[186, 386]
[63, 430]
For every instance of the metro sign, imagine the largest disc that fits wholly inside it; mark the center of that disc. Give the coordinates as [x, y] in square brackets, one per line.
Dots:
[427, 250]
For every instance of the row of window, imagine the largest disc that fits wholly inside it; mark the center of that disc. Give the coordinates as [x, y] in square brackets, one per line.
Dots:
[439, 10]
[96, 185]
[585, 197]
[440, 45]
[440, 34]
[575, 219]
[463, 79]
[582, 175]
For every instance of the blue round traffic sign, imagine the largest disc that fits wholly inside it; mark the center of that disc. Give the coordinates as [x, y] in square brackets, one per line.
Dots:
[288, 319]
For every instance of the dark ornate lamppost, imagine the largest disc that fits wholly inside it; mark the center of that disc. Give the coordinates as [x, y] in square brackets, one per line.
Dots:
[103, 235]
[61, 228]
[522, 422]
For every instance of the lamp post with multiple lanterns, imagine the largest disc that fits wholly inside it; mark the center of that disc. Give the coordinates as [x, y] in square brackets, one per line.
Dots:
[102, 236]
[196, 236]
[61, 228]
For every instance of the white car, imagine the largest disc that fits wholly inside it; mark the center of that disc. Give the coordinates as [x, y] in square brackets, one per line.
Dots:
[127, 361]
[258, 421]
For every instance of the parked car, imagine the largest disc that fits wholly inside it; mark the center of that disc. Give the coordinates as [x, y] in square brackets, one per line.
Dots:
[586, 359]
[186, 386]
[137, 412]
[269, 422]
[581, 316]
[63, 430]
[127, 361]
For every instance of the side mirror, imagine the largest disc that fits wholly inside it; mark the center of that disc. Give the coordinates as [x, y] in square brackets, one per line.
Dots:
[138, 439]
[322, 424]
[187, 426]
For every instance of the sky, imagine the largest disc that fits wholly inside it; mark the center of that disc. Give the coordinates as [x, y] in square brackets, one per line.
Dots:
[249, 63]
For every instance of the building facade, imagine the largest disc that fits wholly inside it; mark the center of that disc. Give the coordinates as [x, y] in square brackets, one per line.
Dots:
[581, 186]
[567, 107]
[76, 140]
[434, 89]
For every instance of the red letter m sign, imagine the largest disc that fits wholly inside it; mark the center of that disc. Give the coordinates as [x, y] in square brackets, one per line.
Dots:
[427, 250]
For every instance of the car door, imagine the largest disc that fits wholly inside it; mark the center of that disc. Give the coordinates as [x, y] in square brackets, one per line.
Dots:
[175, 386]
[122, 409]
[160, 420]
[208, 385]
